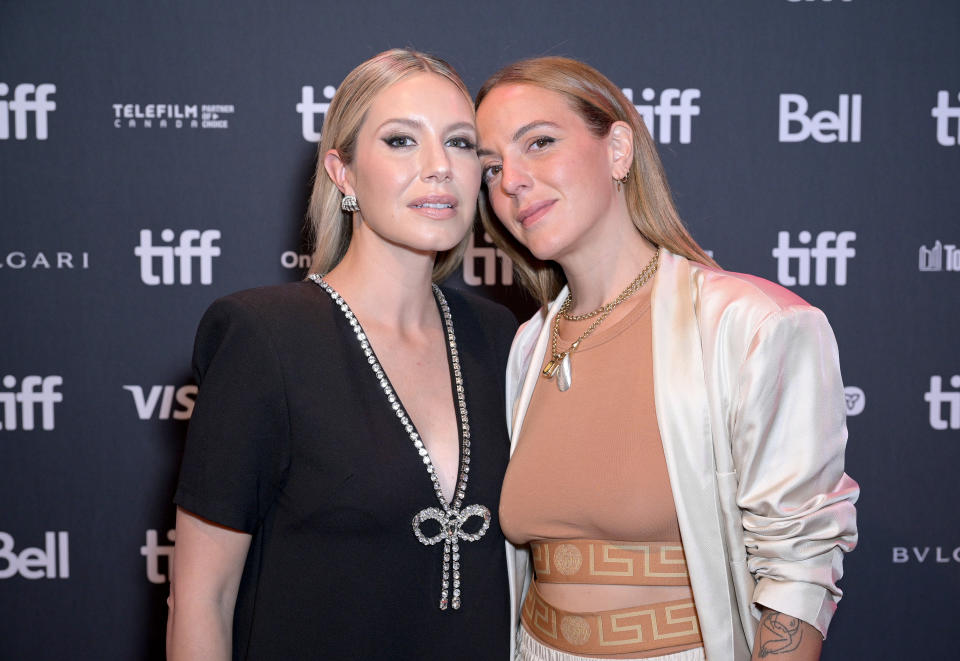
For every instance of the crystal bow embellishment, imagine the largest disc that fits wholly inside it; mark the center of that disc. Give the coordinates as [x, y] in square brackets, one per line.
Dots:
[451, 532]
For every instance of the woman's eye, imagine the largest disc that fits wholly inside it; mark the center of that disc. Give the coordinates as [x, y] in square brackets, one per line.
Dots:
[541, 142]
[397, 141]
[461, 143]
[490, 172]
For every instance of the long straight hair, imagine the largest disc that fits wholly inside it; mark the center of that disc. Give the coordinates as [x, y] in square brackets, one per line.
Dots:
[599, 103]
[331, 228]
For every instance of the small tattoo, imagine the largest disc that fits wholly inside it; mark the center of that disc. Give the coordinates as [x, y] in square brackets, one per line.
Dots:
[779, 634]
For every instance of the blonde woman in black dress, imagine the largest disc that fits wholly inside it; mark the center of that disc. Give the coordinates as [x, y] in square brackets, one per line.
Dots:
[339, 491]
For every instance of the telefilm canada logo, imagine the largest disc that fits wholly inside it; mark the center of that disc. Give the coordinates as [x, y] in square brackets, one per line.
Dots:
[20, 403]
[830, 248]
[673, 109]
[172, 115]
[29, 101]
[939, 257]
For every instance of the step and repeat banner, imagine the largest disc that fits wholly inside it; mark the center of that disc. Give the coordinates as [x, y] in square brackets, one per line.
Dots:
[155, 156]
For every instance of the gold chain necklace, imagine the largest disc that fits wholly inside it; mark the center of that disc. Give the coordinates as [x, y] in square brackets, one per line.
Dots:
[560, 361]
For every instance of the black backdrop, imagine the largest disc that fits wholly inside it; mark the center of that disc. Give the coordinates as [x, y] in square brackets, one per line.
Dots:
[154, 156]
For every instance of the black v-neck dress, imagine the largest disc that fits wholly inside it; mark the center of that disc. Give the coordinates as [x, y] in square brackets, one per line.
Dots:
[293, 441]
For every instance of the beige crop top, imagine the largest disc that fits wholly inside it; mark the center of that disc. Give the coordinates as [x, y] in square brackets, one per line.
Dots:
[589, 462]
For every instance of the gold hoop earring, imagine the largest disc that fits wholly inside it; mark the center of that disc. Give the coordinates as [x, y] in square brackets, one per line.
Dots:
[622, 180]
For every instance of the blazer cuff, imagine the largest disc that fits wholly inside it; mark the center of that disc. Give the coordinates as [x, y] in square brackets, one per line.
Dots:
[811, 603]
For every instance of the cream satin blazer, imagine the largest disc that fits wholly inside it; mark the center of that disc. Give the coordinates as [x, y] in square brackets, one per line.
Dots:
[751, 411]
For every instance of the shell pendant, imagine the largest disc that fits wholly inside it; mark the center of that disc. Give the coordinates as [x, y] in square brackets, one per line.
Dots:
[565, 374]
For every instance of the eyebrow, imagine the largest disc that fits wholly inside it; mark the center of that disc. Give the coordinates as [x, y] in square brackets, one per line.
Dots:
[519, 133]
[417, 124]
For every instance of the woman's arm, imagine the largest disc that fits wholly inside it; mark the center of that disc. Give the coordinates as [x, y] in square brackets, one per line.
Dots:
[796, 502]
[207, 564]
[784, 638]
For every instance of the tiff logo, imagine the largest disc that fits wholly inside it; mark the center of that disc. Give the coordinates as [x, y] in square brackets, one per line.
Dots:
[821, 255]
[488, 256]
[28, 397]
[938, 255]
[204, 251]
[673, 103]
[938, 399]
[309, 109]
[164, 396]
[854, 399]
[52, 561]
[825, 126]
[153, 551]
[943, 112]
[22, 105]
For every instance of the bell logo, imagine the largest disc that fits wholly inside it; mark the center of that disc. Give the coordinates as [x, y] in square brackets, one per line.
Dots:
[855, 400]
[830, 246]
[28, 397]
[825, 126]
[673, 103]
[153, 552]
[309, 109]
[52, 561]
[185, 252]
[943, 112]
[164, 396]
[488, 256]
[940, 399]
[21, 105]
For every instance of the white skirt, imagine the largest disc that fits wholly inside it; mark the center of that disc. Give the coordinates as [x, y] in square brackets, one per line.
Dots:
[531, 649]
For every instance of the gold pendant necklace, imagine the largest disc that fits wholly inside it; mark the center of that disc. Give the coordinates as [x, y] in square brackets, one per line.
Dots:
[559, 364]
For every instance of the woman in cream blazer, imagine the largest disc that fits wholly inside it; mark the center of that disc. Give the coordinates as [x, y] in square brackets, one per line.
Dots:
[746, 379]
[765, 509]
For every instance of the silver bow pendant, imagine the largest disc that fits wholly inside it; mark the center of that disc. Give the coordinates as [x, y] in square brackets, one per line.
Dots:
[451, 532]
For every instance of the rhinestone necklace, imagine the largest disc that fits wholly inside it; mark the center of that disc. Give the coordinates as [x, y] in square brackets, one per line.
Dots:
[450, 516]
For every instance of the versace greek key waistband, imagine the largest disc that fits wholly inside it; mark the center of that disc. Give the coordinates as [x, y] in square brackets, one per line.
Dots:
[609, 563]
[623, 631]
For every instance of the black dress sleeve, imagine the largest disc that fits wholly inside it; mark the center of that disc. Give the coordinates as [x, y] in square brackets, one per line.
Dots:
[237, 448]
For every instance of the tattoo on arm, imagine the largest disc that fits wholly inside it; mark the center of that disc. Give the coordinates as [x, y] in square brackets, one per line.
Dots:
[779, 634]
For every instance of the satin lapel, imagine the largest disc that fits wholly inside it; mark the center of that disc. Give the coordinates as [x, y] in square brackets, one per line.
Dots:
[532, 373]
[684, 420]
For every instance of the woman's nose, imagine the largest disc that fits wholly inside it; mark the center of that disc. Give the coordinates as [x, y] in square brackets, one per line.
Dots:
[435, 163]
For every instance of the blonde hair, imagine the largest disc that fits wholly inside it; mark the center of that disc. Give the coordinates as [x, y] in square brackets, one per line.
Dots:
[599, 103]
[331, 228]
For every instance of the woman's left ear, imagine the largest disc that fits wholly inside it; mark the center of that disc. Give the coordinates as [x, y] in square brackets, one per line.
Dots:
[621, 149]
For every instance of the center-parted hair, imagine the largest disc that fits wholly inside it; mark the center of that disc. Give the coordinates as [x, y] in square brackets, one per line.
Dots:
[331, 228]
[599, 103]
